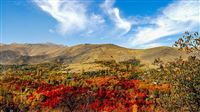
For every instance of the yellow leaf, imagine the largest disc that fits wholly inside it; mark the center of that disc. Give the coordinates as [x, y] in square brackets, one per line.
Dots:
[135, 108]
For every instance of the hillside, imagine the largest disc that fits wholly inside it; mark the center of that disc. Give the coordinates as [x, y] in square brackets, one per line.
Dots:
[84, 53]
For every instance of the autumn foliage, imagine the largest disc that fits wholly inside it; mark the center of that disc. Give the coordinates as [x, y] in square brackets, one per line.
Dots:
[45, 90]
[124, 87]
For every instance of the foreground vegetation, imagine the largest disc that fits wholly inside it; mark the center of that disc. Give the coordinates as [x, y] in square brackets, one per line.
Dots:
[124, 87]
[44, 87]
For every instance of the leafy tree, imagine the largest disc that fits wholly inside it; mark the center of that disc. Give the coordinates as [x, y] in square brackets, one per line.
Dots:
[189, 42]
[182, 75]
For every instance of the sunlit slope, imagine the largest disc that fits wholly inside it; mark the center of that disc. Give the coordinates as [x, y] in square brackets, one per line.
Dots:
[84, 53]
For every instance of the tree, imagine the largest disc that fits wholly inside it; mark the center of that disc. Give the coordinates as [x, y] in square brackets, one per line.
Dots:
[189, 42]
[184, 77]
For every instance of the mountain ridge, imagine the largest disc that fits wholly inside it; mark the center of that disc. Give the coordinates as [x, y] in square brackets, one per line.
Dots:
[82, 53]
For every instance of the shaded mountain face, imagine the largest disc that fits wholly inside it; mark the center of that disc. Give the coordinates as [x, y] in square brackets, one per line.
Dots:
[84, 53]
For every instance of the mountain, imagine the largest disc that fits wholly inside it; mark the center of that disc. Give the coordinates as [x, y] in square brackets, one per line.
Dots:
[83, 53]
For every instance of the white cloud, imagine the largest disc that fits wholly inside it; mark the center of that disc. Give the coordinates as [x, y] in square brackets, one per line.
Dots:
[75, 18]
[176, 18]
[72, 15]
[151, 45]
[114, 15]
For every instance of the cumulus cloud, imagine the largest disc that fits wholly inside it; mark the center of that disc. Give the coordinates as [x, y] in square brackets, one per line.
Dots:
[71, 15]
[176, 18]
[114, 14]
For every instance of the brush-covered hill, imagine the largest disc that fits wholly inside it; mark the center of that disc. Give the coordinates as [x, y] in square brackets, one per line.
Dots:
[84, 53]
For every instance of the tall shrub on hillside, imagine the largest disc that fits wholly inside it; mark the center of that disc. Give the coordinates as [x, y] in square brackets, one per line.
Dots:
[182, 75]
[189, 42]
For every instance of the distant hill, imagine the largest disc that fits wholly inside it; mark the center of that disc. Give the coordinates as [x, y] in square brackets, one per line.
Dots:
[84, 53]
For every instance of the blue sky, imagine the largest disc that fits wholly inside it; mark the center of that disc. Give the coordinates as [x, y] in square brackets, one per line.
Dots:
[129, 23]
